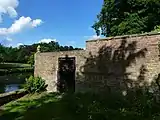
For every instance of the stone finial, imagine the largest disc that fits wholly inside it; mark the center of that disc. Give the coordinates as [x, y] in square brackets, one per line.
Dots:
[39, 48]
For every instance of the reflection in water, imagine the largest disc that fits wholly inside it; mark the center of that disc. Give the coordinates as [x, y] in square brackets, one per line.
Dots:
[12, 82]
[9, 88]
[12, 87]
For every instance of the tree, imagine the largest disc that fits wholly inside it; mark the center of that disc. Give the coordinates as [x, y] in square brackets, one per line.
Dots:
[120, 17]
[2, 53]
[24, 53]
[31, 60]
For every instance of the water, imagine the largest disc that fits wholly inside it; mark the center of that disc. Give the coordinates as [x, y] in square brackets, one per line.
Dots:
[11, 87]
[12, 82]
[4, 88]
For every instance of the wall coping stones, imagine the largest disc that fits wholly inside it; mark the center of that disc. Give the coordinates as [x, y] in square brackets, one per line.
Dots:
[60, 52]
[125, 36]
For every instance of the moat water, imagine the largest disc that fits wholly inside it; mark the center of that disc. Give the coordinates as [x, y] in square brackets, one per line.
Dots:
[12, 82]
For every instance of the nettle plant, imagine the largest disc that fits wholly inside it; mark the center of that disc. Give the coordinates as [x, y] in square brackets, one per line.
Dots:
[35, 85]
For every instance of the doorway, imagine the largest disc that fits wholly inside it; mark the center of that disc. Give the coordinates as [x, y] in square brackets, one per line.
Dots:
[66, 74]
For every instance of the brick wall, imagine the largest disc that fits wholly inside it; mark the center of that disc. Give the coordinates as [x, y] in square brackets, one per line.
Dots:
[135, 63]
[118, 62]
[46, 65]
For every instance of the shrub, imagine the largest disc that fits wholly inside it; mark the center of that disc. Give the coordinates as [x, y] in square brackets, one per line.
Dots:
[112, 106]
[35, 84]
[31, 60]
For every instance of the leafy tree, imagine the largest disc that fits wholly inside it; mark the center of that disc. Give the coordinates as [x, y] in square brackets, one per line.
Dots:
[156, 28]
[24, 53]
[120, 17]
[31, 60]
[2, 53]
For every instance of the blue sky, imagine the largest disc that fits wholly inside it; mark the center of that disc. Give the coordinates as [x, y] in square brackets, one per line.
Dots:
[30, 21]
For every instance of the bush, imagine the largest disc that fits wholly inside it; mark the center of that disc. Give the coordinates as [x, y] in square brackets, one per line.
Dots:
[35, 84]
[112, 106]
[31, 60]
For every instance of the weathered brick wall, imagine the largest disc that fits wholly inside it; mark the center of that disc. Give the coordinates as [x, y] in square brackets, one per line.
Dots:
[105, 63]
[138, 66]
[46, 65]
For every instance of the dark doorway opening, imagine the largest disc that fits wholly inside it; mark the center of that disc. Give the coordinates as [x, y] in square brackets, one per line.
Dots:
[66, 74]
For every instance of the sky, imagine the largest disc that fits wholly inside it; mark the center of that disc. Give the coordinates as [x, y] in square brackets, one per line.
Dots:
[32, 21]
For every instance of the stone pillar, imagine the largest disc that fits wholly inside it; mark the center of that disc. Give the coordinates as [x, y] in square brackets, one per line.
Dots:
[38, 49]
[35, 60]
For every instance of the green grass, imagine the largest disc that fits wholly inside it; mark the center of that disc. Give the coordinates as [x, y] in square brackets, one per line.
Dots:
[15, 70]
[13, 65]
[9, 68]
[81, 107]
[25, 107]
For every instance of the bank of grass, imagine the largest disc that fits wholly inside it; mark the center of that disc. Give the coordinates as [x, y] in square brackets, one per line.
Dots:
[9, 68]
[13, 65]
[86, 106]
[15, 70]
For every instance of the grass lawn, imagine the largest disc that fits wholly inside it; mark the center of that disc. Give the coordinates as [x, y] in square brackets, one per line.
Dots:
[37, 107]
[9, 68]
[13, 65]
[51, 106]
[26, 107]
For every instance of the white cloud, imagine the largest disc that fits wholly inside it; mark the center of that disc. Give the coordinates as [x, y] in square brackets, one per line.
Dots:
[36, 22]
[94, 37]
[90, 28]
[9, 39]
[8, 7]
[20, 24]
[47, 40]
[19, 44]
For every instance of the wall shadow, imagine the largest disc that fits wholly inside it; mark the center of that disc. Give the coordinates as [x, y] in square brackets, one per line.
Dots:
[81, 106]
[66, 74]
[108, 70]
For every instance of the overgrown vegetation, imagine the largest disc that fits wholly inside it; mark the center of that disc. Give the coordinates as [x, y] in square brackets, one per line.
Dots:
[35, 85]
[24, 53]
[136, 105]
[122, 17]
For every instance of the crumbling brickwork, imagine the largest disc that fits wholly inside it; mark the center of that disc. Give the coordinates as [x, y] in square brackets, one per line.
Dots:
[117, 62]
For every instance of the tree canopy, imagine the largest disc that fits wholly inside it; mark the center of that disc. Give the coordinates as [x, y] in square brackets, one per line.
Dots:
[24, 53]
[121, 17]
